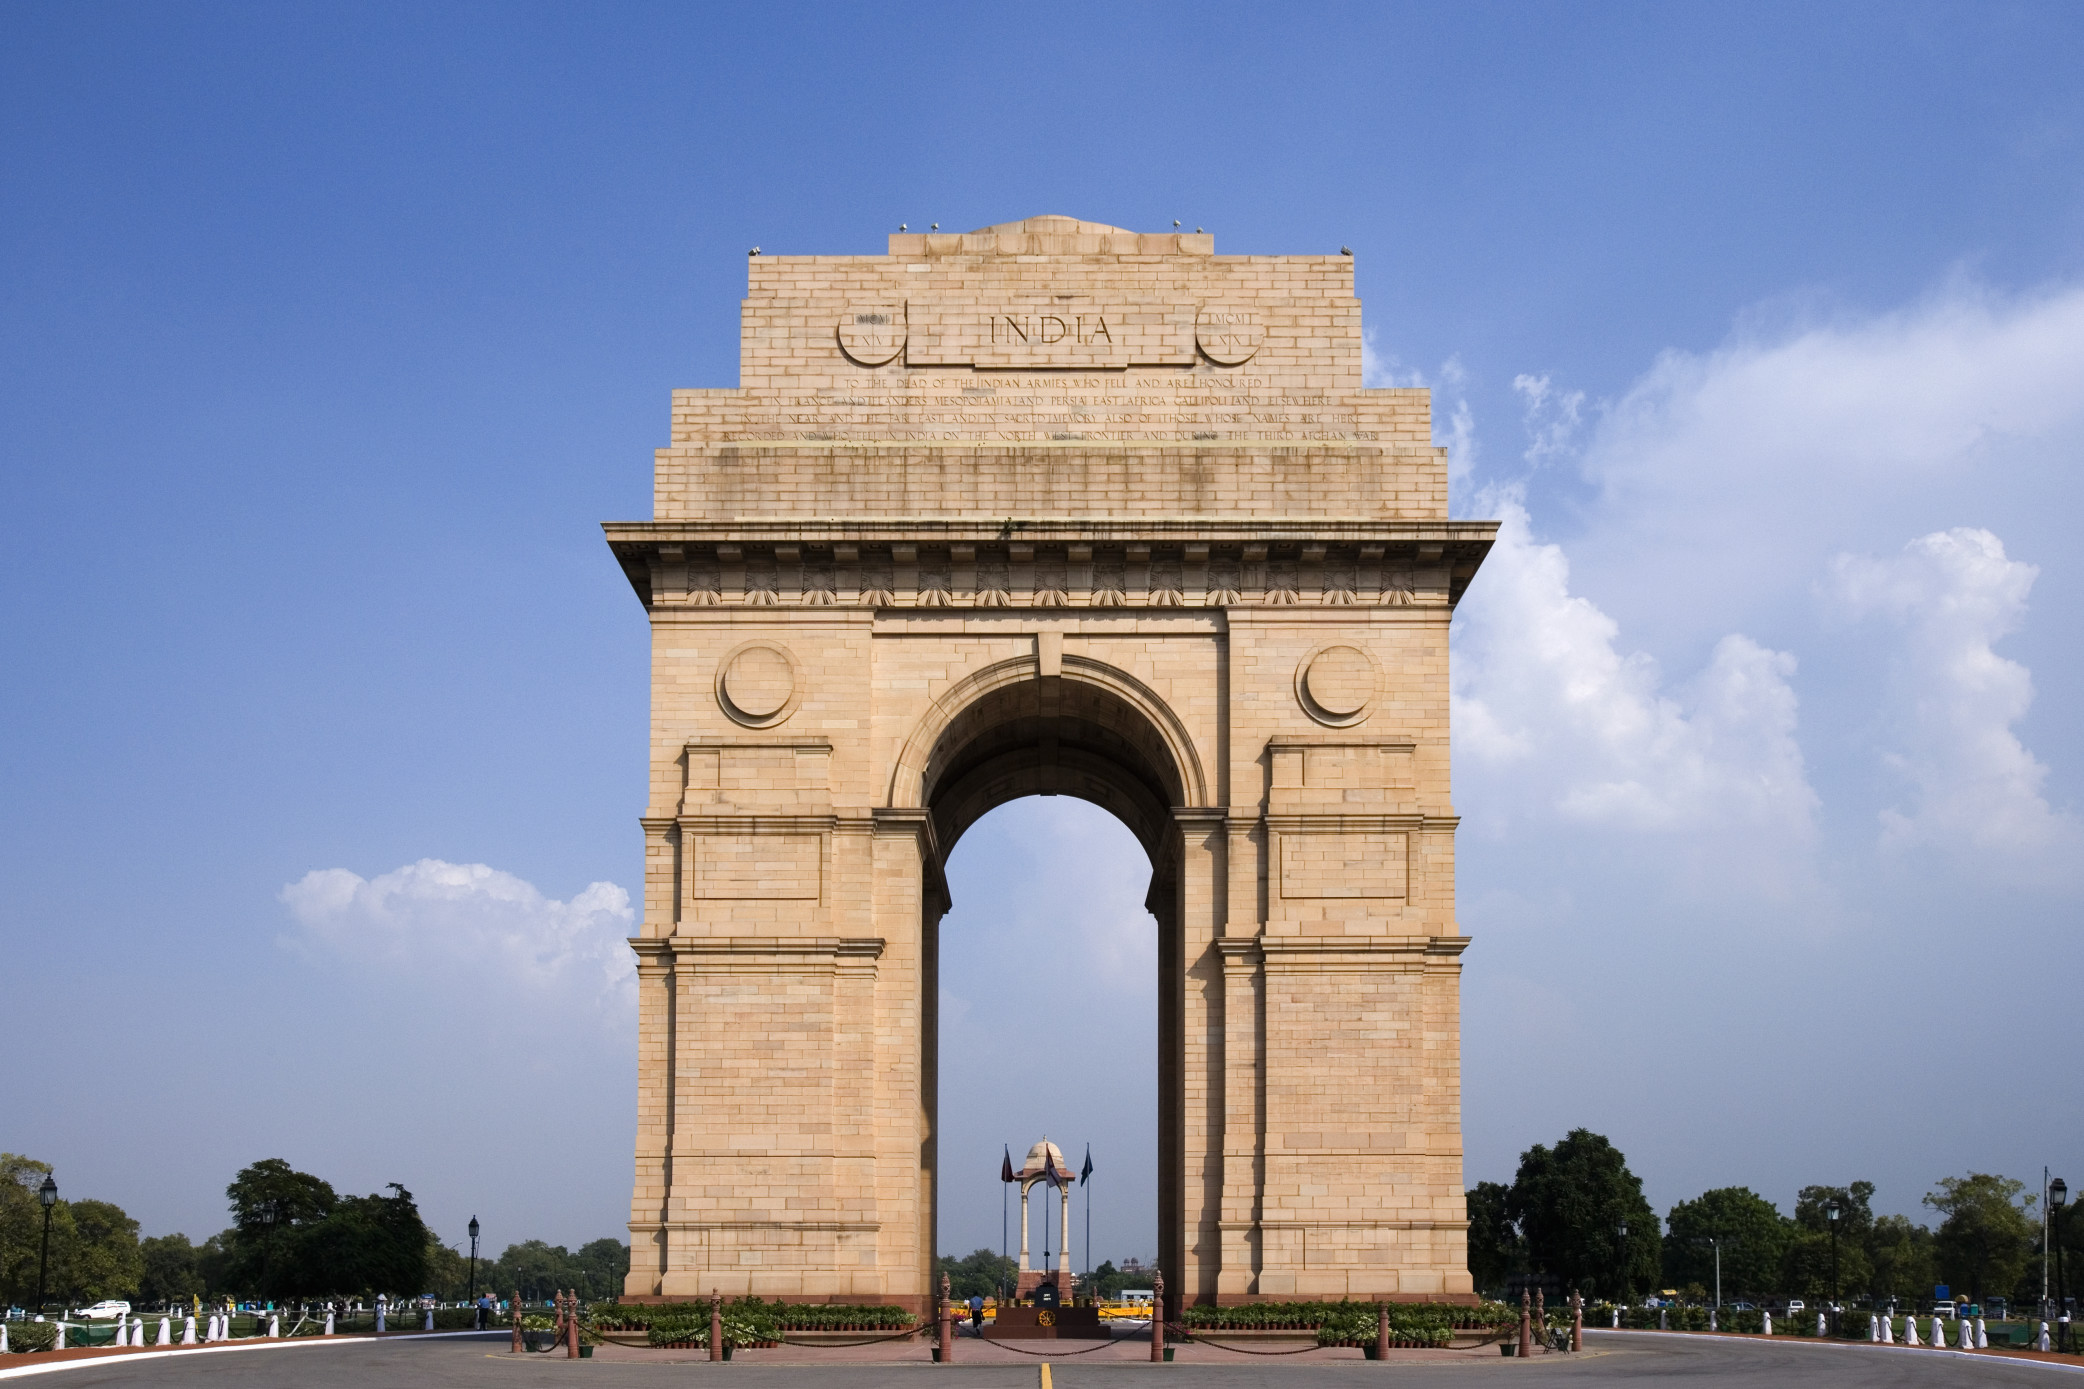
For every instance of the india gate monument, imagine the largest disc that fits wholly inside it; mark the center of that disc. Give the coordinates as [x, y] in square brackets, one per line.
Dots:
[1050, 508]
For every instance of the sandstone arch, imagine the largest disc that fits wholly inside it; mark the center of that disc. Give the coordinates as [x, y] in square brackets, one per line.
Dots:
[1173, 559]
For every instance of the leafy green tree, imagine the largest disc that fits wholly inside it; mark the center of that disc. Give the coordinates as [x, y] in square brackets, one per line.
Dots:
[605, 1266]
[1902, 1258]
[1985, 1234]
[367, 1245]
[1753, 1233]
[94, 1252]
[1570, 1204]
[1855, 1210]
[273, 1207]
[1496, 1251]
[1805, 1269]
[981, 1272]
[171, 1270]
[21, 1226]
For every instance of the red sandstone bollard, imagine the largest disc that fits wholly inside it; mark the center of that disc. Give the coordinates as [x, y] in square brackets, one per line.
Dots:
[947, 1330]
[1526, 1331]
[716, 1325]
[1541, 1317]
[1158, 1320]
[571, 1325]
[1577, 1321]
[515, 1313]
[1382, 1331]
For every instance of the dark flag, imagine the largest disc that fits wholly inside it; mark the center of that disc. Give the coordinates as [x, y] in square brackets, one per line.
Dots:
[1086, 1173]
[1051, 1173]
[1006, 1166]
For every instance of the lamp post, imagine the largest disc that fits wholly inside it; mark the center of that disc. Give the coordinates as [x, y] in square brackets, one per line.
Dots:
[48, 1195]
[1831, 1213]
[1716, 1240]
[1621, 1274]
[473, 1258]
[2058, 1193]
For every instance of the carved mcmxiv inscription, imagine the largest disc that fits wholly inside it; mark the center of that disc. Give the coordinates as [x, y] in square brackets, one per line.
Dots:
[1050, 508]
[872, 334]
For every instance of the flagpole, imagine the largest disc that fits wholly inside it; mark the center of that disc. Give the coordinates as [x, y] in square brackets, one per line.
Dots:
[1085, 1179]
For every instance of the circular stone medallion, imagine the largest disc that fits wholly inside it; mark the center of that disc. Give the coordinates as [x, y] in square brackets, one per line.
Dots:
[1336, 684]
[756, 684]
[1228, 333]
[872, 334]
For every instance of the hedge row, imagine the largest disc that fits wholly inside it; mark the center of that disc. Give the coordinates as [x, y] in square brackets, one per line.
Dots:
[1354, 1323]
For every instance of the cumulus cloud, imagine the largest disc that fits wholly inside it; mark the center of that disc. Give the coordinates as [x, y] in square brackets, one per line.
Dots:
[1733, 475]
[1542, 688]
[1969, 781]
[433, 919]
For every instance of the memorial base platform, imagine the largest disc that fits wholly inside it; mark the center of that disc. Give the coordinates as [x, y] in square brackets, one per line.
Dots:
[1047, 1324]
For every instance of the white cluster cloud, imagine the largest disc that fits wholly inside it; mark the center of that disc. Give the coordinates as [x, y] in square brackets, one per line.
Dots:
[1953, 700]
[1733, 476]
[452, 920]
[1541, 688]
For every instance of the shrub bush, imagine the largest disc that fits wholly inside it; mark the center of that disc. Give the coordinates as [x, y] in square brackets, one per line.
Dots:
[31, 1335]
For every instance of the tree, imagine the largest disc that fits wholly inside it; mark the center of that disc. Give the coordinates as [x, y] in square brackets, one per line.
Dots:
[1496, 1251]
[94, 1251]
[368, 1245]
[605, 1266]
[273, 1205]
[1753, 1233]
[1805, 1269]
[982, 1272]
[172, 1272]
[1984, 1235]
[21, 1226]
[1855, 1210]
[1570, 1204]
[1902, 1260]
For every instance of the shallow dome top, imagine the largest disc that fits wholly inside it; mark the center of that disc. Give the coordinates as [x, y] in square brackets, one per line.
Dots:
[1033, 1164]
[1052, 224]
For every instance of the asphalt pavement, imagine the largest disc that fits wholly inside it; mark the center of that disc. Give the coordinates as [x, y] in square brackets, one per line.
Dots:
[1641, 1360]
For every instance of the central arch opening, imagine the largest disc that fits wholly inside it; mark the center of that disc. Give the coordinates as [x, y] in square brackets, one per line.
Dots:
[1051, 936]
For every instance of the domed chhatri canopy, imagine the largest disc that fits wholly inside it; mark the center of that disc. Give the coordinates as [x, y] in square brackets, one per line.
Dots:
[1033, 1167]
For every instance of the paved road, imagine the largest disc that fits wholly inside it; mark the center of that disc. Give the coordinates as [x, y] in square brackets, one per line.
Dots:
[1627, 1360]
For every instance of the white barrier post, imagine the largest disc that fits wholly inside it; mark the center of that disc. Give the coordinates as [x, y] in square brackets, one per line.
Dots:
[2042, 1344]
[1982, 1334]
[1711, 1319]
[137, 1333]
[1966, 1340]
[430, 1318]
[1820, 1324]
[188, 1329]
[59, 1344]
[274, 1325]
[329, 1321]
[1617, 1319]
[1939, 1333]
[383, 1306]
[1768, 1322]
[166, 1332]
[3, 1338]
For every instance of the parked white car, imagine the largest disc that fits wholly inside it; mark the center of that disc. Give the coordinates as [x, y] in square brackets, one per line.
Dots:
[102, 1310]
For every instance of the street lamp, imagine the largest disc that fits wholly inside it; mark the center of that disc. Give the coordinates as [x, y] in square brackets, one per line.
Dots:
[48, 1195]
[1832, 1210]
[1716, 1240]
[2059, 1192]
[1621, 1278]
[473, 1258]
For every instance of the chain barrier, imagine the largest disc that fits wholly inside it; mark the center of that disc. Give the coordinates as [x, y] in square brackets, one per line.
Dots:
[867, 1341]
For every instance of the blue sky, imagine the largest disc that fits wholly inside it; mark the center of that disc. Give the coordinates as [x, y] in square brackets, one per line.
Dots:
[331, 333]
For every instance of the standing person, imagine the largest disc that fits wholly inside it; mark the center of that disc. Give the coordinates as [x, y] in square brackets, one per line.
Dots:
[484, 1311]
[977, 1313]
